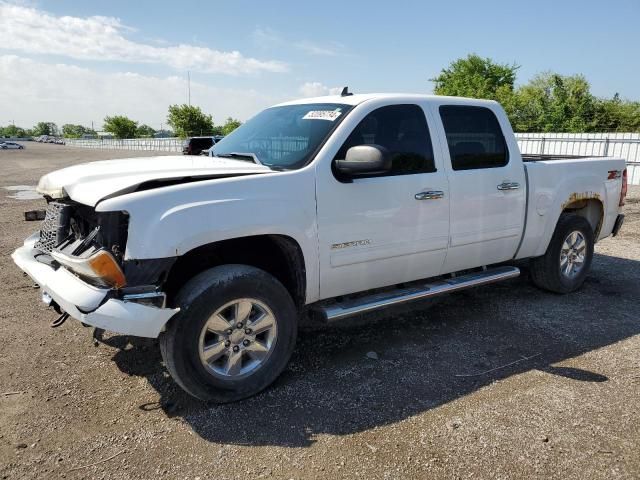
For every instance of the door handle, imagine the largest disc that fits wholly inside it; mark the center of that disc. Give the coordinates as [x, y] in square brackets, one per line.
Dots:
[429, 195]
[509, 186]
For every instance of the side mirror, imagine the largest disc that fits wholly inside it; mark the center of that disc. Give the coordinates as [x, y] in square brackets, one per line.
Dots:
[364, 159]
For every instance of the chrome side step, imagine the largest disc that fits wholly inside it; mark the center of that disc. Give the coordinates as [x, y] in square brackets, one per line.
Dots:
[339, 310]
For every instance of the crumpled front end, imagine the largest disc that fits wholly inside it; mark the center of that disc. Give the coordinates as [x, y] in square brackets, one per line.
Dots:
[76, 259]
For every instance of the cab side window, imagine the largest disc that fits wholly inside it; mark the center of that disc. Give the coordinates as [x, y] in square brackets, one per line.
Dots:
[401, 129]
[474, 137]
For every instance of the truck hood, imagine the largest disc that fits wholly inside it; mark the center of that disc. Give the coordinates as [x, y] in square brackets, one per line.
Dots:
[88, 183]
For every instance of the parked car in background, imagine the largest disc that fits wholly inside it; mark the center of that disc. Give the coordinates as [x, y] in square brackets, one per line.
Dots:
[339, 205]
[195, 145]
[209, 151]
[50, 139]
[11, 146]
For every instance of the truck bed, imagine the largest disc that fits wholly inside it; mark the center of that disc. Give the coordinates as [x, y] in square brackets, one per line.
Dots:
[555, 180]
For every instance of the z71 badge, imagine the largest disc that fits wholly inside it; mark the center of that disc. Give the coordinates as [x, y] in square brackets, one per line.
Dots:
[355, 243]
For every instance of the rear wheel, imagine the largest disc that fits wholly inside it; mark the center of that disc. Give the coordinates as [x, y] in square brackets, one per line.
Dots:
[567, 261]
[233, 336]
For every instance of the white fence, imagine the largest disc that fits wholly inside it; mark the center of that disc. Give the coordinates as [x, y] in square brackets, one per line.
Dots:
[625, 145]
[152, 144]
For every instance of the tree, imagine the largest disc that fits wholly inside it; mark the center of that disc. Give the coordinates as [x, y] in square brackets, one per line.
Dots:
[554, 103]
[12, 131]
[476, 77]
[120, 126]
[629, 116]
[164, 134]
[70, 130]
[230, 125]
[45, 128]
[145, 131]
[189, 120]
[549, 102]
[615, 114]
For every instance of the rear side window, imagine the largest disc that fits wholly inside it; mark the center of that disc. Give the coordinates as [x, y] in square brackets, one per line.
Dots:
[403, 130]
[474, 137]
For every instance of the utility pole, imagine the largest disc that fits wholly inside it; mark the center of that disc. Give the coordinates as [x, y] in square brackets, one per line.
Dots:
[189, 87]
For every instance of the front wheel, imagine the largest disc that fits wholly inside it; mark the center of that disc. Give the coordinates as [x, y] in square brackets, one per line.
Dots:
[566, 263]
[233, 336]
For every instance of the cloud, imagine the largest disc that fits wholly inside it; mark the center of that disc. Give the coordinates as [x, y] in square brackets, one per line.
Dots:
[317, 89]
[102, 38]
[268, 38]
[332, 49]
[31, 92]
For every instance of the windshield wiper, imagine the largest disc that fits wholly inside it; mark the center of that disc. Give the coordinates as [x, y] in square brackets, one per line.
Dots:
[240, 156]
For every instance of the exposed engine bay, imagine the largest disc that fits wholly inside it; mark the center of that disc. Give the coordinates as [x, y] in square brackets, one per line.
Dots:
[78, 229]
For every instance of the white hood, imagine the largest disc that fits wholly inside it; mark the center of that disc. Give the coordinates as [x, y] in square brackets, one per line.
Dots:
[88, 183]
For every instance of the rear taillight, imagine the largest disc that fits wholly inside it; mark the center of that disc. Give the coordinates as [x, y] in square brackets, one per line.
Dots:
[623, 191]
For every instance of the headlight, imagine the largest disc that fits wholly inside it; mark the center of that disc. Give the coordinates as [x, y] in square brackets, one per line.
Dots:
[100, 268]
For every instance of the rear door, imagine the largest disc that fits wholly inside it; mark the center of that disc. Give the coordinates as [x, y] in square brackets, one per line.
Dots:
[487, 185]
[384, 229]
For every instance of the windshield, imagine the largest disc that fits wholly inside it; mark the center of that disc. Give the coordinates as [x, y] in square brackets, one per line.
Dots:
[283, 137]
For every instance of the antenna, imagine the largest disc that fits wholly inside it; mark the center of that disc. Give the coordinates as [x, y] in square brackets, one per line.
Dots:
[345, 92]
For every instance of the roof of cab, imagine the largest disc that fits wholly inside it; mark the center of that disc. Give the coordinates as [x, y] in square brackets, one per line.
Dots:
[356, 99]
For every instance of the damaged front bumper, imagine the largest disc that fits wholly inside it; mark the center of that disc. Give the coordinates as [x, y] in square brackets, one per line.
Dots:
[89, 304]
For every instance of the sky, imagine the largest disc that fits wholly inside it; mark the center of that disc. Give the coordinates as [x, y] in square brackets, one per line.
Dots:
[75, 62]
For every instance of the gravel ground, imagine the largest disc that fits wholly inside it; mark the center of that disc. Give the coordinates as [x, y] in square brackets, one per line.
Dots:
[503, 381]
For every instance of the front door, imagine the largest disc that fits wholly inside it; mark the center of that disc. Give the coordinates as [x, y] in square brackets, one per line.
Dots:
[384, 229]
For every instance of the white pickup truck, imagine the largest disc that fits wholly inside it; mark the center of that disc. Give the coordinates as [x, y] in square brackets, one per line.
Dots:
[338, 205]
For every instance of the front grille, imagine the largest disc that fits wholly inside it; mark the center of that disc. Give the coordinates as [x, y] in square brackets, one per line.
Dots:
[54, 228]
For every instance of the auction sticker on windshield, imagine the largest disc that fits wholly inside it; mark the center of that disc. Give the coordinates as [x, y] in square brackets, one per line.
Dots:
[330, 115]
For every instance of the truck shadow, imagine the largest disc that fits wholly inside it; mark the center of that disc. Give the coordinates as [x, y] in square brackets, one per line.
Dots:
[383, 369]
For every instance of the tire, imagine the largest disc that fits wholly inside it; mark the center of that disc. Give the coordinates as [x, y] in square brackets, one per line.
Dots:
[226, 290]
[549, 272]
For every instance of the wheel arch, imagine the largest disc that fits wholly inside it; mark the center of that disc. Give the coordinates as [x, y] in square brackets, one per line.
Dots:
[279, 255]
[589, 206]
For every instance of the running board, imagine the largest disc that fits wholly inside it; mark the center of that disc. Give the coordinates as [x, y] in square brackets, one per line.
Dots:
[346, 308]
